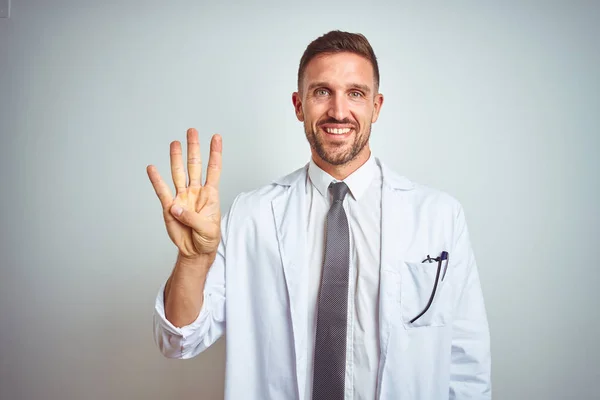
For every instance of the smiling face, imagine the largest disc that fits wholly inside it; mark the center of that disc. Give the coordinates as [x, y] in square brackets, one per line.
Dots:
[338, 101]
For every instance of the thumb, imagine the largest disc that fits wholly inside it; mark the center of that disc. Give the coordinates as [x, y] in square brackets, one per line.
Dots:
[184, 215]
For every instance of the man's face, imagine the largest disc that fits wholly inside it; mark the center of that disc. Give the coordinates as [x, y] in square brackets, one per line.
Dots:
[338, 102]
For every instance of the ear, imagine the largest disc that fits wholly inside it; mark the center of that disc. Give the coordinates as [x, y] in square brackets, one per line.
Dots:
[377, 103]
[298, 106]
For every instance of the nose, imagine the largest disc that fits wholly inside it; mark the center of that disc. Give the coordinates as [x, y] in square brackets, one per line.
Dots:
[338, 108]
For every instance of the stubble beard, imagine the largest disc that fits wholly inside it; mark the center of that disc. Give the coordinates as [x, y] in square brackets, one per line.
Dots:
[335, 157]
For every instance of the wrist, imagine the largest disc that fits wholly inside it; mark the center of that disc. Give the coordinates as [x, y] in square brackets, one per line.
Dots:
[200, 262]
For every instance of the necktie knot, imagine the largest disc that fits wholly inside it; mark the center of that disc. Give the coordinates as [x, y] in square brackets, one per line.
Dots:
[339, 191]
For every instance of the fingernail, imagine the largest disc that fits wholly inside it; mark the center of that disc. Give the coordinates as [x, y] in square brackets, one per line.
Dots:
[177, 210]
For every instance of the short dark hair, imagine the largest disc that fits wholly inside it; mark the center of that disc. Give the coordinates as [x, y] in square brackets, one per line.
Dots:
[339, 42]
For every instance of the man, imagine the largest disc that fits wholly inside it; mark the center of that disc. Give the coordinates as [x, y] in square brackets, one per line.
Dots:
[341, 280]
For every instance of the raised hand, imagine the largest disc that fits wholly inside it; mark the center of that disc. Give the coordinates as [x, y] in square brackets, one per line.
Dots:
[193, 217]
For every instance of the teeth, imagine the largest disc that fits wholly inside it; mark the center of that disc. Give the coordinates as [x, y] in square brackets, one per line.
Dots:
[337, 131]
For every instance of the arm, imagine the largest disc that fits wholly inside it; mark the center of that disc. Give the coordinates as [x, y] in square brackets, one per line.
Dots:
[190, 306]
[183, 290]
[470, 369]
[203, 305]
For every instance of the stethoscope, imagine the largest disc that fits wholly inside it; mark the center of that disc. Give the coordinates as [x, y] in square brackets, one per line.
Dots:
[440, 259]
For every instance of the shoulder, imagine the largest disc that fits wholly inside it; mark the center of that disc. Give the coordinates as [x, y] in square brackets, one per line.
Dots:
[435, 195]
[419, 195]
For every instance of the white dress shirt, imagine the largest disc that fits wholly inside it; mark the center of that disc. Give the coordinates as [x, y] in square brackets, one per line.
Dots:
[363, 208]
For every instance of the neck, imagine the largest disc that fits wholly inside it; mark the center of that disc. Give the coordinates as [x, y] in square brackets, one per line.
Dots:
[342, 171]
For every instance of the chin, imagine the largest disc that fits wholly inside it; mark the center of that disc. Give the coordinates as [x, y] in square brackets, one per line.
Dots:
[335, 157]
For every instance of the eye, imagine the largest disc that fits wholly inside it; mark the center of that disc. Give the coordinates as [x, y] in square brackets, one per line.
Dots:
[355, 94]
[321, 92]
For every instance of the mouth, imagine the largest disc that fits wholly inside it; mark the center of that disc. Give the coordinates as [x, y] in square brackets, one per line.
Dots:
[337, 132]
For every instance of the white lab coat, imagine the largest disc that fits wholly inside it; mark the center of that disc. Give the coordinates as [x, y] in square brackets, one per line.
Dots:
[257, 294]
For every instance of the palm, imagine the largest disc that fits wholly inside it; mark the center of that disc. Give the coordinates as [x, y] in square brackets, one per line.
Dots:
[199, 232]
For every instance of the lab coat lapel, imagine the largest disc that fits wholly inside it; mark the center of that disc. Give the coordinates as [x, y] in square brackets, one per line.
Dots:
[396, 216]
[290, 214]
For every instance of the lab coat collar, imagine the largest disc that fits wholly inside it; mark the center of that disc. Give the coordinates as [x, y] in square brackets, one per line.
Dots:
[358, 182]
[390, 178]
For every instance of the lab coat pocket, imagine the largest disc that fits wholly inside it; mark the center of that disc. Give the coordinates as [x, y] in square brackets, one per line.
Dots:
[417, 284]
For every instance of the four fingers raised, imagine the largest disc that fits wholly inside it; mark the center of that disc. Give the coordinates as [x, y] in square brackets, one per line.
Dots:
[194, 165]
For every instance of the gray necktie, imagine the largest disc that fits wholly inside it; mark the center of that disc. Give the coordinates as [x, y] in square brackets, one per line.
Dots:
[330, 340]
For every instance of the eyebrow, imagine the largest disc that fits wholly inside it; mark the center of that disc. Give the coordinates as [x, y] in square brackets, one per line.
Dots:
[358, 86]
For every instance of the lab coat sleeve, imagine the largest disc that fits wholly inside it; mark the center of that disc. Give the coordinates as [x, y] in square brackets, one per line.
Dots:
[190, 340]
[470, 369]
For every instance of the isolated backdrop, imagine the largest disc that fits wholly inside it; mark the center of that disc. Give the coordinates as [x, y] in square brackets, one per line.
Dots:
[498, 104]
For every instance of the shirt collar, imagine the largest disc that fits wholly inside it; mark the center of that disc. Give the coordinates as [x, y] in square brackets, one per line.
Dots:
[358, 182]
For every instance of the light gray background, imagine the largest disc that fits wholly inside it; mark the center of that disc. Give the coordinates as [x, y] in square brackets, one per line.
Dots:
[497, 104]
